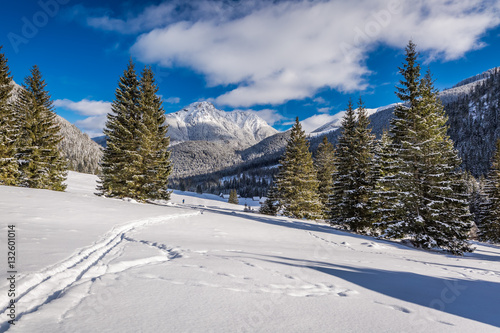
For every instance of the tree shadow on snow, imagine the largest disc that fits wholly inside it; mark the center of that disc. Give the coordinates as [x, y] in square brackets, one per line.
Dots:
[472, 299]
[326, 229]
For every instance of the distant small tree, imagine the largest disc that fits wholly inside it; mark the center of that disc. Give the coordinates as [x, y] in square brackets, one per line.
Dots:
[199, 189]
[233, 197]
[182, 185]
[269, 207]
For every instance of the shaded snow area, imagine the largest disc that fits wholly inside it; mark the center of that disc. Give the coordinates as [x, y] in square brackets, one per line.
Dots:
[93, 264]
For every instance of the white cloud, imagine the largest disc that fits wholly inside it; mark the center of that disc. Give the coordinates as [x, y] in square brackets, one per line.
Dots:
[324, 110]
[277, 51]
[313, 122]
[172, 100]
[84, 107]
[319, 100]
[93, 126]
[160, 15]
[271, 116]
[95, 112]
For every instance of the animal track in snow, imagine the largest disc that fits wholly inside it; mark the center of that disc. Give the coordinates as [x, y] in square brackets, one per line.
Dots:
[394, 307]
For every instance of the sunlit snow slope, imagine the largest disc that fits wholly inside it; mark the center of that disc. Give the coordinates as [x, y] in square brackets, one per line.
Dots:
[91, 264]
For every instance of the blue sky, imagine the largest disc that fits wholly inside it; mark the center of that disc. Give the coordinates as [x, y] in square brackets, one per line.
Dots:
[280, 59]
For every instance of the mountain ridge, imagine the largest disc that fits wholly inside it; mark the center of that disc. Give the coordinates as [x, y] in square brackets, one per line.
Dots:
[202, 121]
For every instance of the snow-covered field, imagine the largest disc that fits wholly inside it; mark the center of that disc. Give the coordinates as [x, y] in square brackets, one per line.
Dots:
[91, 264]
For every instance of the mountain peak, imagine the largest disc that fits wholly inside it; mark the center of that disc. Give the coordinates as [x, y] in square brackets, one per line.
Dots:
[203, 121]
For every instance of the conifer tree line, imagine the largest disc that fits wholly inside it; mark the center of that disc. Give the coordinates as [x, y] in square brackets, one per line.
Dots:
[29, 134]
[136, 162]
[407, 185]
[487, 196]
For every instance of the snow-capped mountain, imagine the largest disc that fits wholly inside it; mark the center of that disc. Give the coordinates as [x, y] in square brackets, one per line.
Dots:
[337, 121]
[81, 151]
[202, 121]
[465, 87]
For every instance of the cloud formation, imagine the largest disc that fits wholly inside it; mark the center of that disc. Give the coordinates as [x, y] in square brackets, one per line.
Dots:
[85, 107]
[272, 117]
[172, 100]
[313, 122]
[93, 126]
[95, 112]
[282, 50]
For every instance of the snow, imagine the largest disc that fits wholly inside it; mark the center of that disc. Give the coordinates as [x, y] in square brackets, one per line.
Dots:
[93, 264]
[336, 122]
[202, 121]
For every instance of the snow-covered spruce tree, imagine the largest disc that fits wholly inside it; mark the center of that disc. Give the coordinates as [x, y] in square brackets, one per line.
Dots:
[431, 205]
[489, 227]
[404, 184]
[296, 182]
[233, 197]
[366, 170]
[121, 162]
[324, 164]
[270, 207]
[388, 200]
[476, 195]
[349, 203]
[40, 161]
[478, 203]
[338, 207]
[155, 166]
[9, 174]
[445, 210]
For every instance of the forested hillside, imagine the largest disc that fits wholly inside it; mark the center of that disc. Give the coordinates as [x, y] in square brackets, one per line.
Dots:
[472, 105]
[474, 123]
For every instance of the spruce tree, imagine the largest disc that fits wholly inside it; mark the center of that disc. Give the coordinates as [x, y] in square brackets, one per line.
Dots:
[404, 130]
[296, 183]
[269, 207]
[324, 164]
[428, 191]
[388, 200]
[233, 197]
[40, 161]
[338, 207]
[136, 161]
[365, 170]
[353, 184]
[9, 174]
[121, 161]
[155, 157]
[489, 227]
[445, 205]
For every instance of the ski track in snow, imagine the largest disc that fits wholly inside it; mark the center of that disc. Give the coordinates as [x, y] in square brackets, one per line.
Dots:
[73, 278]
[40, 288]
